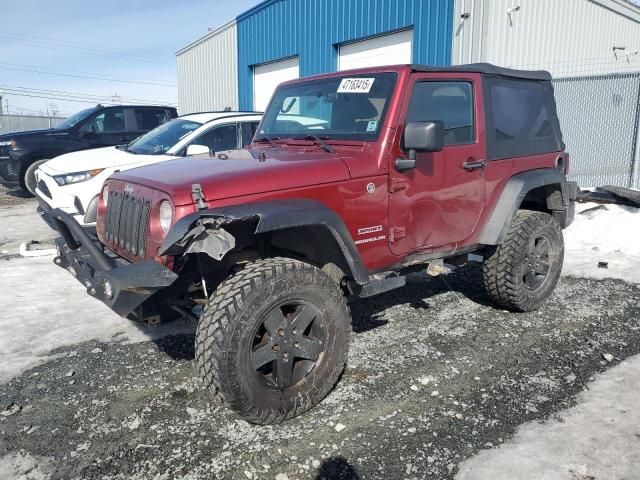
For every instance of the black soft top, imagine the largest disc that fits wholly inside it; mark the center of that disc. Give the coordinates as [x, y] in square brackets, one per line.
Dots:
[488, 69]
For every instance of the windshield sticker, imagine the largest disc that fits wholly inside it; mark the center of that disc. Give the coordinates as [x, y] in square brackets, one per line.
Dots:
[372, 125]
[355, 85]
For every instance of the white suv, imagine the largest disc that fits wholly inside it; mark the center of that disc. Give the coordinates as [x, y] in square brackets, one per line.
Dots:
[72, 182]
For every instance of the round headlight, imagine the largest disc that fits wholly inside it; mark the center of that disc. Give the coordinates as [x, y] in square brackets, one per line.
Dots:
[166, 216]
[105, 194]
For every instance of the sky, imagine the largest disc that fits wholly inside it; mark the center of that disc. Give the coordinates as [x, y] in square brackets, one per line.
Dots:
[132, 40]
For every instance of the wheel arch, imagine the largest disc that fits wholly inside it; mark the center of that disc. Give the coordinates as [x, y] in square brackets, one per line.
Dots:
[543, 190]
[304, 226]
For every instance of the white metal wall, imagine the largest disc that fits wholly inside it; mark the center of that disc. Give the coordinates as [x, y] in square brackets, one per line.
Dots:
[566, 37]
[20, 123]
[208, 72]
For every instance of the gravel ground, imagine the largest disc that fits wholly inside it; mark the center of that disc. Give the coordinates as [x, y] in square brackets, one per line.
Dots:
[435, 375]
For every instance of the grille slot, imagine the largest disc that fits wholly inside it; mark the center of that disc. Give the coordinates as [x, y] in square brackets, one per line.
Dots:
[127, 222]
[44, 189]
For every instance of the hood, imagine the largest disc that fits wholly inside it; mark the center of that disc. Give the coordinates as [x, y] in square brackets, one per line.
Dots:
[107, 157]
[239, 173]
[30, 133]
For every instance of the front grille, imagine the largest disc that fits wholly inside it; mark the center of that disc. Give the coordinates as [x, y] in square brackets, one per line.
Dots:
[44, 189]
[127, 222]
[4, 150]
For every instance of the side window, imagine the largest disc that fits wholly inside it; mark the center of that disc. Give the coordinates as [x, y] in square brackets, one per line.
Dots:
[109, 121]
[220, 138]
[520, 111]
[149, 118]
[448, 102]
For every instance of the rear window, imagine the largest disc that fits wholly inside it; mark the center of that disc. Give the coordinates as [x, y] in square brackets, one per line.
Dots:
[522, 119]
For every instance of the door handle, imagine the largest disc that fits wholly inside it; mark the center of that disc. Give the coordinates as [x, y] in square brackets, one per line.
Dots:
[474, 165]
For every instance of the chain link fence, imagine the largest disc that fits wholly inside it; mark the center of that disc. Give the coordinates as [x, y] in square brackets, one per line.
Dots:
[600, 119]
[20, 123]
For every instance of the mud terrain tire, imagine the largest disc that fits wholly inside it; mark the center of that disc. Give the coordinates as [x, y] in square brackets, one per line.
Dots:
[273, 339]
[523, 271]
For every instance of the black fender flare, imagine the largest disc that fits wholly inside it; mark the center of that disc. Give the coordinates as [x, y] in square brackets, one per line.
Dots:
[511, 198]
[275, 215]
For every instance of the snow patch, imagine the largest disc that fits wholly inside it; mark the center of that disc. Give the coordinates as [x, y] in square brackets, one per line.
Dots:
[44, 307]
[606, 233]
[598, 438]
[24, 466]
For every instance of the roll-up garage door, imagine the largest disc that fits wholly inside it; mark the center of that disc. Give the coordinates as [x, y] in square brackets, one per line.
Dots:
[268, 76]
[391, 49]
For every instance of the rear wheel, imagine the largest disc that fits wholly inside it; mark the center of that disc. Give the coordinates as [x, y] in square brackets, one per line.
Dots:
[28, 182]
[273, 339]
[523, 271]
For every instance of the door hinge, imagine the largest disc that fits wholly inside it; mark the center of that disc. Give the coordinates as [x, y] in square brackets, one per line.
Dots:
[198, 196]
[397, 184]
[396, 234]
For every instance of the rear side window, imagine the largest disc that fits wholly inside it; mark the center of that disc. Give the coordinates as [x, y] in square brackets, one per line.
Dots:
[149, 118]
[448, 102]
[522, 119]
[248, 132]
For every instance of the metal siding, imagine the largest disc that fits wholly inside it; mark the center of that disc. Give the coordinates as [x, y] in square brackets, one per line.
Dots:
[312, 30]
[568, 37]
[208, 72]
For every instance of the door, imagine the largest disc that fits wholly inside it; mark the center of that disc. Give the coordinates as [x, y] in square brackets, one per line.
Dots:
[267, 77]
[390, 49]
[438, 203]
[220, 138]
[105, 129]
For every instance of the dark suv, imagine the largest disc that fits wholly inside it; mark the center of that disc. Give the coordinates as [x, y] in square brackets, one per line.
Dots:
[353, 180]
[21, 153]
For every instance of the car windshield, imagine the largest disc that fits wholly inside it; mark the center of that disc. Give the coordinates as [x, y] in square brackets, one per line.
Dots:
[350, 107]
[75, 118]
[162, 138]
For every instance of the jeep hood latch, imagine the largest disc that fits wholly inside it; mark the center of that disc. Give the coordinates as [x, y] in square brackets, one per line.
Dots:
[198, 196]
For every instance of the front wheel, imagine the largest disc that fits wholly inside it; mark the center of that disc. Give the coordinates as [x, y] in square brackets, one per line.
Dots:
[273, 339]
[29, 179]
[523, 271]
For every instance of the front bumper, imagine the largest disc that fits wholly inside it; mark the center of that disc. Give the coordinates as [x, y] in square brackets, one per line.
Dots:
[119, 284]
[9, 170]
[44, 210]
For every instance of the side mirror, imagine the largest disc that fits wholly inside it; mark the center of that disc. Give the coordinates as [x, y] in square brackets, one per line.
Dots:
[197, 150]
[422, 137]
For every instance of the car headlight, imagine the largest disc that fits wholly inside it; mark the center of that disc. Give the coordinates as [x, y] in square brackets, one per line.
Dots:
[105, 195]
[9, 143]
[166, 216]
[76, 177]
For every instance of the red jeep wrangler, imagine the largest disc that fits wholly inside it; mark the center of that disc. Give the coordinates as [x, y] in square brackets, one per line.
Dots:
[353, 179]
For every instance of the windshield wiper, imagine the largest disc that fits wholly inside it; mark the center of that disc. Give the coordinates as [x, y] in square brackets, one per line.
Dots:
[266, 138]
[319, 141]
[126, 148]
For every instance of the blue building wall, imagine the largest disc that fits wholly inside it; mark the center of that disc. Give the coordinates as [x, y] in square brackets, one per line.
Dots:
[312, 30]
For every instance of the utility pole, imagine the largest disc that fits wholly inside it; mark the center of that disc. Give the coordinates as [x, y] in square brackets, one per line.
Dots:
[1, 102]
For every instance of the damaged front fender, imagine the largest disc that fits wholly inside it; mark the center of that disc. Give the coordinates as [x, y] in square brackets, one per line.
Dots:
[206, 236]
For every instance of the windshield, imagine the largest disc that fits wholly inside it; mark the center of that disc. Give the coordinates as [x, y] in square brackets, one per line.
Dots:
[162, 138]
[339, 108]
[75, 118]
